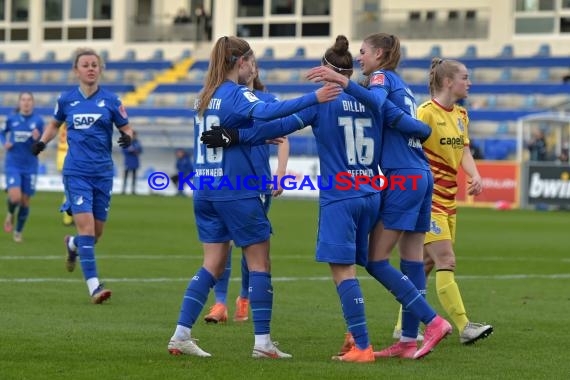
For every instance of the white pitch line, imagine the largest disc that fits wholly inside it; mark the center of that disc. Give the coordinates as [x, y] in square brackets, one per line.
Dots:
[554, 276]
[308, 256]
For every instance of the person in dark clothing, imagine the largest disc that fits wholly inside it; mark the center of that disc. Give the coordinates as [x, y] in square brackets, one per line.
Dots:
[132, 163]
[537, 146]
[183, 167]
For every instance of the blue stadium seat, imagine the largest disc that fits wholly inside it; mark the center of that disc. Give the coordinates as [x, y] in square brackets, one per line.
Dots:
[300, 52]
[181, 100]
[543, 51]
[104, 54]
[50, 56]
[435, 51]
[470, 52]
[506, 75]
[24, 56]
[2, 56]
[507, 51]
[130, 55]
[185, 54]
[529, 101]
[268, 53]
[503, 128]
[295, 76]
[492, 101]
[158, 55]
[495, 149]
[403, 52]
[544, 74]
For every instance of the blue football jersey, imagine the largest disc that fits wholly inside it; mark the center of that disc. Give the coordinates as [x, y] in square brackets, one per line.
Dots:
[398, 150]
[348, 135]
[18, 131]
[90, 130]
[260, 153]
[225, 169]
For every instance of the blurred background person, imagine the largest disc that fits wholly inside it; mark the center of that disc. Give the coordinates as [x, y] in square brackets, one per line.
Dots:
[184, 167]
[537, 147]
[132, 163]
[22, 128]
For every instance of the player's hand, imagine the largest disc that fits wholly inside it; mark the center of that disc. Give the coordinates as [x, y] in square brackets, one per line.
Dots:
[279, 190]
[37, 147]
[328, 92]
[475, 185]
[326, 74]
[125, 140]
[219, 137]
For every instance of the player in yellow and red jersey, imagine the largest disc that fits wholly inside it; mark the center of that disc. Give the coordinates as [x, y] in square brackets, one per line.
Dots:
[61, 153]
[447, 149]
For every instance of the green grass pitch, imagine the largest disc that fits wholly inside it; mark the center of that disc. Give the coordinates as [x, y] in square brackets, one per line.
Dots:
[513, 271]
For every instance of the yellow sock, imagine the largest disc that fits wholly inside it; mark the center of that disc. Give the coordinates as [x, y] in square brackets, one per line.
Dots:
[450, 298]
[67, 219]
[398, 326]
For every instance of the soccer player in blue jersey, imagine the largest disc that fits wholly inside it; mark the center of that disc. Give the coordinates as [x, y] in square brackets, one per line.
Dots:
[223, 211]
[89, 111]
[22, 128]
[260, 158]
[349, 139]
[405, 212]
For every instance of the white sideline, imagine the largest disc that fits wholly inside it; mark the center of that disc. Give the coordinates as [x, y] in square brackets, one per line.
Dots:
[308, 256]
[283, 279]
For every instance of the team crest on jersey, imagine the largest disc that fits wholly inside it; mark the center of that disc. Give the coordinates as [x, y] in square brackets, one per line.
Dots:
[460, 124]
[101, 103]
[434, 228]
[123, 111]
[85, 120]
[250, 96]
[377, 79]
[33, 126]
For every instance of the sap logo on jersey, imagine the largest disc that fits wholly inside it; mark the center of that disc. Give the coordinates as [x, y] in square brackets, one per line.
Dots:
[85, 120]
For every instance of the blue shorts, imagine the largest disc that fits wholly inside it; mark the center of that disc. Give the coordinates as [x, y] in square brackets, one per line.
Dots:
[407, 209]
[266, 201]
[25, 181]
[344, 226]
[243, 220]
[87, 194]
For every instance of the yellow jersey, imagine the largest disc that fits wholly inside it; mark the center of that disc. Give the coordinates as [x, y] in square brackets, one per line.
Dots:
[444, 150]
[61, 146]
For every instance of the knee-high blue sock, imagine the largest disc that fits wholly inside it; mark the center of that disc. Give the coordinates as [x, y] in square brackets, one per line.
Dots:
[352, 303]
[244, 292]
[195, 297]
[11, 206]
[23, 213]
[221, 287]
[86, 251]
[261, 301]
[402, 288]
[415, 272]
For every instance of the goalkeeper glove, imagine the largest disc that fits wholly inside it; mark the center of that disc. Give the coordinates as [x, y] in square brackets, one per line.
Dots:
[219, 137]
[37, 147]
[125, 140]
